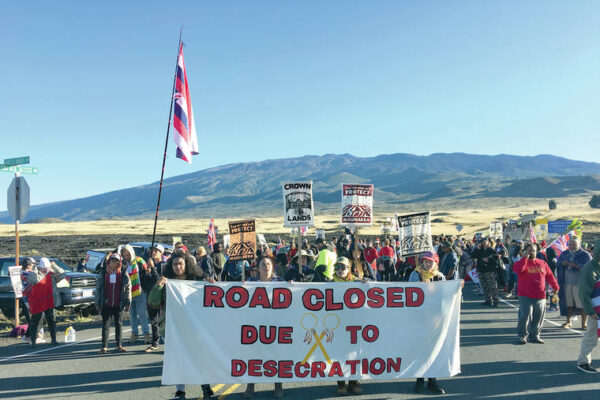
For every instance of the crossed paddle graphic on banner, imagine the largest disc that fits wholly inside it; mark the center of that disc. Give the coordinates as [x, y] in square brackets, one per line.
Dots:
[312, 333]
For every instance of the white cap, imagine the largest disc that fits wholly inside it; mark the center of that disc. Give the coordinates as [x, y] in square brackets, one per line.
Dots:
[44, 263]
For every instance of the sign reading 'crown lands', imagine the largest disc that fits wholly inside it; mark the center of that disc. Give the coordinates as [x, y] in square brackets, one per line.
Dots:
[242, 240]
[357, 205]
[298, 204]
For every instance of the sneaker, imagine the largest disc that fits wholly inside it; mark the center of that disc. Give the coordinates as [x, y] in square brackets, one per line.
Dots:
[147, 338]
[420, 385]
[278, 392]
[537, 340]
[434, 388]
[509, 295]
[179, 395]
[567, 325]
[522, 340]
[151, 348]
[133, 339]
[122, 349]
[354, 387]
[587, 368]
[341, 389]
[249, 393]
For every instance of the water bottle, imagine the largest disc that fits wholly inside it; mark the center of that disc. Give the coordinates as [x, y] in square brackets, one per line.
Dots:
[40, 338]
[70, 335]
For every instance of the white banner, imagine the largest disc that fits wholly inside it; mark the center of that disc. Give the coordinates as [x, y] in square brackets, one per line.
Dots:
[15, 280]
[320, 233]
[298, 204]
[279, 331]
[496, 229]
[414, 233]
[357, 205]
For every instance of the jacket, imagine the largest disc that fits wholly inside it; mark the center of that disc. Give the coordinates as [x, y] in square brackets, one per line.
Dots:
[587, 280]
[124, 302]
[58, 274]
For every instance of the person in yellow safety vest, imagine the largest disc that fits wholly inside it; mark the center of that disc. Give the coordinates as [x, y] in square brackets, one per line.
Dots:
[326, 257]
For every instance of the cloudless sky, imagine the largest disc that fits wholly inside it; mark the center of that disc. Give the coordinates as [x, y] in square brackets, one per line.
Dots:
[85, 86]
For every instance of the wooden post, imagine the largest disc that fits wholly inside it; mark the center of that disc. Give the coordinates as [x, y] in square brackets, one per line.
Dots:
[299, 250]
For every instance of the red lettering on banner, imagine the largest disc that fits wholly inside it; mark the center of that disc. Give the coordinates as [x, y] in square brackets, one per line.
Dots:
[353, 336]
[365, 366]
[318, 367]
[282, 298]
[376, 299]
[370, 337]
[285, 369]
[241, 301]
[329, 304]
[410, 297]
[238, 368]
[394, 365]
[377, 370]
[307, 299]
[302, 374]
[213, 296]
[260, 298]
[335, 370]
[254, 367]
[249, 334]
[262, 331]
[353, 364]
[360, 298]
[285, 333]
[270, 368]
[394, 297]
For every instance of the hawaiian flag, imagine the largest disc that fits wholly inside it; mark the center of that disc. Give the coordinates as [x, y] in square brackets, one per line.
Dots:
[532, 238]
[596, 300]
[279, 244]
[212, 237]
[183, 121]
[561, 243]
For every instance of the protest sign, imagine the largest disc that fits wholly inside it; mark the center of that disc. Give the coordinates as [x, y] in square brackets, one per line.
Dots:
[276, 332]
[226, 241]
[496, 229]
[298, 204]
[15, 280]
[242, 240]
[357, 205]
[414, 233]
[320, 233]
[559, 226]
[261, 239]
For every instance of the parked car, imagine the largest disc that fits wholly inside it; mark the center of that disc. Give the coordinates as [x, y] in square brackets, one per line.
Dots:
[77, 290]
[93, 259]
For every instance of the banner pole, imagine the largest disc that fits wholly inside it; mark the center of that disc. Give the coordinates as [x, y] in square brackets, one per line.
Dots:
[18, 206]
[162, 172]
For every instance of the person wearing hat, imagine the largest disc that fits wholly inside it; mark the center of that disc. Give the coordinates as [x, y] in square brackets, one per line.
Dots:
[35, 277]
[113, 296]
[343, 274]
[427, 271]
[325, 261]
[218, 259]
[449, 264]
[282, 261]
[149, 275]
[26, 268]
[204, 262]
[138, 315]
[568, 271]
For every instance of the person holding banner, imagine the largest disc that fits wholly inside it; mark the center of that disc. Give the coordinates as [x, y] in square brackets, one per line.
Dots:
[427, 271]
[589, 294]
[180, 266]
[48, 274]
[360, 267]
[343, 274]
[266, 268]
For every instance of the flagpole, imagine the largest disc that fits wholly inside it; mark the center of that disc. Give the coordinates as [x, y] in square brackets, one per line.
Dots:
[162, 172]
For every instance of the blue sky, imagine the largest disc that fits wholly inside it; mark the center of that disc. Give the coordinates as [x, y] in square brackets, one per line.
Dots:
[85, 86]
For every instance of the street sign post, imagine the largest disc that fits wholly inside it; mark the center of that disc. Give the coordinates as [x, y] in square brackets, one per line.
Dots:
[18, 169]
[16, 161]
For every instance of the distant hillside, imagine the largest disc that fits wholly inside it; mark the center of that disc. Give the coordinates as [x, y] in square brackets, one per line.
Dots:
[247, 189]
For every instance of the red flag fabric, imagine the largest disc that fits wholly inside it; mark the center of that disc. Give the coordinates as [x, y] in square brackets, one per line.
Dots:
[41, 297]
[185, 130]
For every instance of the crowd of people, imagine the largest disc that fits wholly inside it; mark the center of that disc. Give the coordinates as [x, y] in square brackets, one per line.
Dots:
[542, 279]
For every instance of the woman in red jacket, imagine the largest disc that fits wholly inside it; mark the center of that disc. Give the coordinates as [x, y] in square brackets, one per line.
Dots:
[533, 275]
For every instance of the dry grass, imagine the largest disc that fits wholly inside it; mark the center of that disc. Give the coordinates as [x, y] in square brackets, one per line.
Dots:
[473, 218]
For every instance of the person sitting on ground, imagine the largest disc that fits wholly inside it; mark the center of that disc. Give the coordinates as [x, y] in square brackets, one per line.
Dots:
[533, 275]
[427, 271]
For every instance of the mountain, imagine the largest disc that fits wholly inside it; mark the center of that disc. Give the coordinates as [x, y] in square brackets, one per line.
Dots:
[254, 189]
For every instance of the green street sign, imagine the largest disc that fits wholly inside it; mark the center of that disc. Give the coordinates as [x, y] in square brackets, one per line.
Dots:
[16, 161]
[21, 169]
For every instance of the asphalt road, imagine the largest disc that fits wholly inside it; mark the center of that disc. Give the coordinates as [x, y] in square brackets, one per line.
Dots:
[493, 366]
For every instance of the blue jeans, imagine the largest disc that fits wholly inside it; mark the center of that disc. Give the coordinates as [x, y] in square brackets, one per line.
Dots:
[138, 313]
